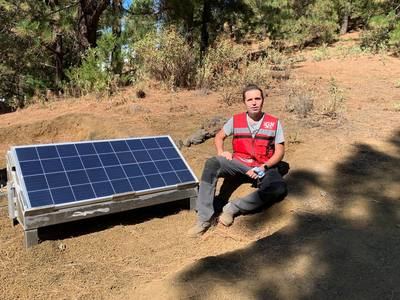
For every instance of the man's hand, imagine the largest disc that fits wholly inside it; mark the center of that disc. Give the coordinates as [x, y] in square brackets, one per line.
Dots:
[252, 174]
[226, 154]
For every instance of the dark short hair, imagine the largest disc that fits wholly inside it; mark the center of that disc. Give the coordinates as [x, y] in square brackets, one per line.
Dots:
[251, 87]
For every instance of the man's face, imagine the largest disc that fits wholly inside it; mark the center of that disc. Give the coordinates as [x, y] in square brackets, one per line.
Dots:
[253, 101]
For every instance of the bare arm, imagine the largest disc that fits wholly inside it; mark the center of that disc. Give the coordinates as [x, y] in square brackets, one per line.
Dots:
[277, 156]
[219, 145]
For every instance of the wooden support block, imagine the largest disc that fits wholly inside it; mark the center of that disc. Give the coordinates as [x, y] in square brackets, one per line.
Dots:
[192, 203]
[31, 237]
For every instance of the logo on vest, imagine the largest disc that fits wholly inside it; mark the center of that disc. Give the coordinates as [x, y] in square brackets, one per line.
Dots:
[269, 125]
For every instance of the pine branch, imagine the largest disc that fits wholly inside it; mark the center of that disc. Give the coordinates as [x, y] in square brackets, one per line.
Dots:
[61, 9]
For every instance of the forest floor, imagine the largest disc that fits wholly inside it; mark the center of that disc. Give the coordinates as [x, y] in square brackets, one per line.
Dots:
[335, 236]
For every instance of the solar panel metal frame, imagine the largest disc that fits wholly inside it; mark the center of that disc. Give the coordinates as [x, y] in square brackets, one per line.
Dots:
[97, 199]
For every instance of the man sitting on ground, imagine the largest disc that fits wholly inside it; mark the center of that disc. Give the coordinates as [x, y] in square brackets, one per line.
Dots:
[258, 146]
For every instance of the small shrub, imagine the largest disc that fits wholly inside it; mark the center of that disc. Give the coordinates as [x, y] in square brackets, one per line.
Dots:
[227, 69]
[257, 72]
[94, 74]
[321, 53]
[279, 64]
[233, 81]
[335, 103]
[166, 57]
[299, 99]
[221, 58]
[356, 50]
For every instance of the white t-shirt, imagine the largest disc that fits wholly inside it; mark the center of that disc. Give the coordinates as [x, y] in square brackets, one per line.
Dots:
[254, 127]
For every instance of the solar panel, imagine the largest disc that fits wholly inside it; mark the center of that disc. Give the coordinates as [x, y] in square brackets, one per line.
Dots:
[70, 173]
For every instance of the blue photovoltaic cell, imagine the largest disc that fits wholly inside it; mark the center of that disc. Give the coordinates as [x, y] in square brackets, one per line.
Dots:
[141, 156]
[31, 167]
[40, 198]
[36, 182]
[155, 181]
[109, 159]
[150, 143]
[91, 161]
[126, 157]
[132, 170]
[185, 176]
[115, 172]
[135, 145]
[171, 153]
[139, 183]
[57, 180]
[163, 166]
[72, 163]
[177, 164]
[27, 154]
[156, 154]
[96, 175]
[121, 186]
[85, 149]
[77, 177]
[62, 195]
[103, 189]
[47, 152]
[66, 173]
[164, 142]
[67, 150]
[103, 147]
[83, 192]
[148, 168]
[52, 165]
[170, 178]
[120, 146]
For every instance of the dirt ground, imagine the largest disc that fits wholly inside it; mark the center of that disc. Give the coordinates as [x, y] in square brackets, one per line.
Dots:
[335, 236]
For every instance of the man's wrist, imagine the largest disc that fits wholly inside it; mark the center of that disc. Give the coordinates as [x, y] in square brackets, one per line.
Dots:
[266, 167]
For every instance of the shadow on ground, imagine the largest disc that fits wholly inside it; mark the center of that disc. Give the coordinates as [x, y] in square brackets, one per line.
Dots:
[350, 253]
[100, 223]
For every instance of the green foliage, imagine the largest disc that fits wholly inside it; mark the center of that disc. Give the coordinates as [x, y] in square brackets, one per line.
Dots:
[165, 57]
[394, 38]
[94, 74]
[318, 24]
[42, 39]
[383, 31]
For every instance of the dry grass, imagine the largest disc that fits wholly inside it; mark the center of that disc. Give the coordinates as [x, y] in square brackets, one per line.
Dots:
[299, 99]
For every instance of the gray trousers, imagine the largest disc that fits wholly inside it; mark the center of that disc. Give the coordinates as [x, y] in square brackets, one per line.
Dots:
[269, 189]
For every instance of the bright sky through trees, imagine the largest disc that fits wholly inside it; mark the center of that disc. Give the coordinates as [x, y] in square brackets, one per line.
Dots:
[127, 3]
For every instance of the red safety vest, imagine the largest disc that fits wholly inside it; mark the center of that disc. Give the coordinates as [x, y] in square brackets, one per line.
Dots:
[258, 150]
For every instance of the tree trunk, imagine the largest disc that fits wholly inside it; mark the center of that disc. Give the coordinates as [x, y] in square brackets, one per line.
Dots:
[205, 18]
[345, 23]
[116, 56]
[89, 16]
[189, 25]
[59, 57]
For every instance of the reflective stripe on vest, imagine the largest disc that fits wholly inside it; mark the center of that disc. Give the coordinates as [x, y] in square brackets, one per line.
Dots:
[253, 151]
